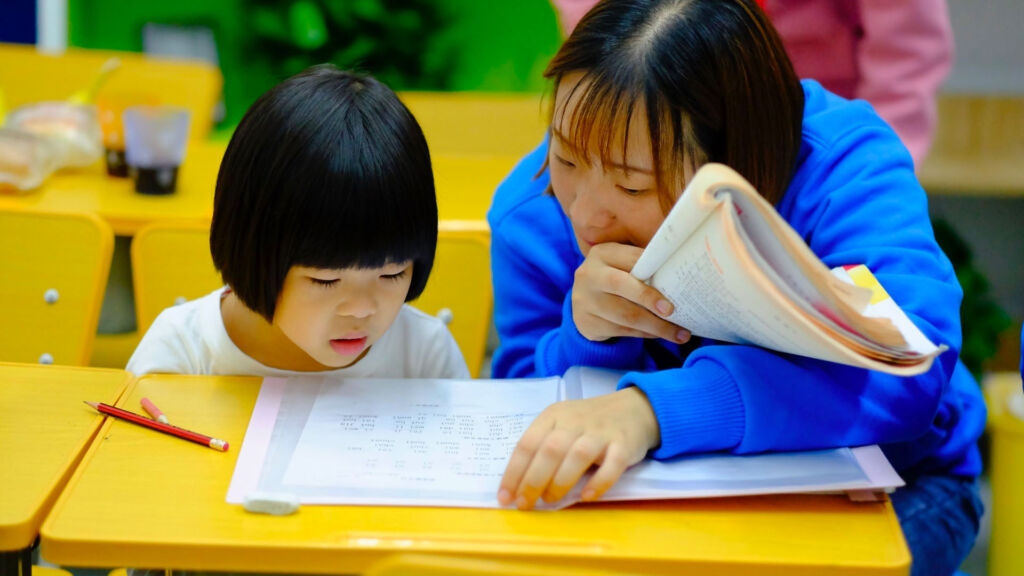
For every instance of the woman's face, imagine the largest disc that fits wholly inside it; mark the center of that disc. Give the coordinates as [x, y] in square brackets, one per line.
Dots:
[614, 202]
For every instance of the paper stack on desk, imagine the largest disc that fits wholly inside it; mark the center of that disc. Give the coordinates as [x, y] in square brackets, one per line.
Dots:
[446, 443]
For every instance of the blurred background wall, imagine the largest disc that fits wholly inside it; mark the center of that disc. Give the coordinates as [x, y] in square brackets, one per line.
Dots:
[493, 45]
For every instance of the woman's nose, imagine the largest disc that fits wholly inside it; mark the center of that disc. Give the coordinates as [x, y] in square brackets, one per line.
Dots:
[588, 210]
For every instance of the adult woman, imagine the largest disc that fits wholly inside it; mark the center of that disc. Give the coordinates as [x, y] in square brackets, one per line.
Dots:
[645, 92]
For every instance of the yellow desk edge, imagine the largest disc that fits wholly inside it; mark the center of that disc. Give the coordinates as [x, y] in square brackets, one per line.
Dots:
[22, 535]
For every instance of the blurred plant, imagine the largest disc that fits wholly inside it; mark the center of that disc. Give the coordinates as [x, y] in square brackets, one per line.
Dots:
[386, 38]
[982, 320]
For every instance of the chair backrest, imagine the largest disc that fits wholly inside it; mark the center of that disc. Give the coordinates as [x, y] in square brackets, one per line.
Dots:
[459, 290]
[27, 76]
[171, 263]
[54, 270]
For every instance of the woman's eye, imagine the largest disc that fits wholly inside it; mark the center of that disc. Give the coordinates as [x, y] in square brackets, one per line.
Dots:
[396, 276]
[564, 162]
[324, 282]
[632, 191]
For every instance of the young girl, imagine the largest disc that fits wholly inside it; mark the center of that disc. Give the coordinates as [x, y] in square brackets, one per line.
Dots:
[646, 91]
[324, 225]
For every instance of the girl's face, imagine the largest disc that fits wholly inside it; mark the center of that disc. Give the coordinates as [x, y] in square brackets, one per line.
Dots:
[334, 316]
[617, 202]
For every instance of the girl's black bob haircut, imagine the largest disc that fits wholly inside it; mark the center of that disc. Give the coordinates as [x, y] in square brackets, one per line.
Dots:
[328, 170]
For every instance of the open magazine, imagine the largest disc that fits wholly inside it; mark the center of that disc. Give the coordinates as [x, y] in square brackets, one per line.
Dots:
[400, 442]
[737, 272]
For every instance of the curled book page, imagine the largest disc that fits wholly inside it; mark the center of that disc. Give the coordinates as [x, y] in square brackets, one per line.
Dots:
[736, 271]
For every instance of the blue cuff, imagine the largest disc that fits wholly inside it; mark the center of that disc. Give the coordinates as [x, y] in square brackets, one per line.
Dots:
[574, 349]
[699, 408]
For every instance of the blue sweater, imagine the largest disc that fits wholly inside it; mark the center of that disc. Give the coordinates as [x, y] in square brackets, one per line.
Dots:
[854, 199]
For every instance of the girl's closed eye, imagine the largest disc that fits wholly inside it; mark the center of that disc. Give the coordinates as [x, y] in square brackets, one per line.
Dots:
[564, 162]
[325, 282]
[395, 276]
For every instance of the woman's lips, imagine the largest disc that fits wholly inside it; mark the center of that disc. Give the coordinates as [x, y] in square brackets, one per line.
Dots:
[349, 346]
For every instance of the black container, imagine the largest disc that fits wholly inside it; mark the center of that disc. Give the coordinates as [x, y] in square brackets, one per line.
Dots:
[158, 180]
[116, 164]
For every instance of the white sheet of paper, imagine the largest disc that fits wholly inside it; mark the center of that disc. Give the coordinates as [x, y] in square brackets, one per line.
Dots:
[446, 443]
[414, 437]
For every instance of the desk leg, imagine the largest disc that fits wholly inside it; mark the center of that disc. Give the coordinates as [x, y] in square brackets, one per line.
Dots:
[9, 563]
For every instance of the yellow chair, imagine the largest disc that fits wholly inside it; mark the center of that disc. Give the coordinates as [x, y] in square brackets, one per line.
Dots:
[1006, 471]
[171, 263]
[54, 268]
[27, 76]
[459, 290]
[49, 571]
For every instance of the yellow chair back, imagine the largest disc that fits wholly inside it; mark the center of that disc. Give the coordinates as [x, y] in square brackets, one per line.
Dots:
[171, 263]
[54, 268]
[1006, 471]
[459, 290]
[27, 76]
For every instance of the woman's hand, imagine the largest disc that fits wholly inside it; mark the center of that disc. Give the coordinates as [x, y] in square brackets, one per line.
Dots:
[613, 431]
[608, 302]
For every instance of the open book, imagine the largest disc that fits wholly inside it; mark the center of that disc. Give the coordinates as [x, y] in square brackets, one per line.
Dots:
[736, 271]
[446, 443]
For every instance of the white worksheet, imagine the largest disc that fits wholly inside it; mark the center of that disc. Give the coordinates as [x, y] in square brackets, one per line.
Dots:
[446, 443]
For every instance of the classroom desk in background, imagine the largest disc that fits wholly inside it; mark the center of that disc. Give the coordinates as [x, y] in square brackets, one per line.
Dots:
[115, 199]
[141, 498]
[44, 431]
[465, 184]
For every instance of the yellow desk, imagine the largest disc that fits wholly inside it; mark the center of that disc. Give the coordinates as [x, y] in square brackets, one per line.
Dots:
[27, 76]
[115, 199]
[44, 430]
[465, 185]
[141, 498]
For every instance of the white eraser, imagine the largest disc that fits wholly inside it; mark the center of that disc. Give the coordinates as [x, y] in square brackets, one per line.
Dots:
[276, 503]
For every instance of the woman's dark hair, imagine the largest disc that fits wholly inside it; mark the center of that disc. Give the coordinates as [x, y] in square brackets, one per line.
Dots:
[328, 170]
[713, 78]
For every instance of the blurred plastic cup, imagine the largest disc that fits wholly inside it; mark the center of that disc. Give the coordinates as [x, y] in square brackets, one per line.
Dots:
[110, 107]
[154, 146]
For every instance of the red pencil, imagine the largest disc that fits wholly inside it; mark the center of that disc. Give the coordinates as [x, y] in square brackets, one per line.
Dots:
[166, 428]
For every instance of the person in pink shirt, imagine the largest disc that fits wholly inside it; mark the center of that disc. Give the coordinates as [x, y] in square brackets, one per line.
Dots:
[895, 55]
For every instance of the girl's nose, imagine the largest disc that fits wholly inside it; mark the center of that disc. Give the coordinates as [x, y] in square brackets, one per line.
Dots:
[358, 305]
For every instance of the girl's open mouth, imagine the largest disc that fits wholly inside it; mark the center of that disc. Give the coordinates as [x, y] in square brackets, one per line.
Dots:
[349, 347]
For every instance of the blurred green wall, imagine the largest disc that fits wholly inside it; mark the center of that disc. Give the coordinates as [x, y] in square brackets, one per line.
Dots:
[485, 45]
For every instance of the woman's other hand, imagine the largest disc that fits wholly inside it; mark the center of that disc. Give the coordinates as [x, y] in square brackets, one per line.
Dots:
[612, 432]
